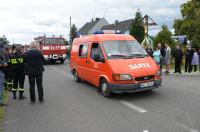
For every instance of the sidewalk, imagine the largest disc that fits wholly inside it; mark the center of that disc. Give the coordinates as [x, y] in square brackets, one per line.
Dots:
[183, 73]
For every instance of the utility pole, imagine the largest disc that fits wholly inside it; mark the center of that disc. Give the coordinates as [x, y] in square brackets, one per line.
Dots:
[70, 22]
[70, 27]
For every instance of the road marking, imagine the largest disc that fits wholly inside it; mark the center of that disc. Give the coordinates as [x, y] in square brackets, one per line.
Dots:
[134, 107]
[145, 131]
[8, 122]
[187, 127]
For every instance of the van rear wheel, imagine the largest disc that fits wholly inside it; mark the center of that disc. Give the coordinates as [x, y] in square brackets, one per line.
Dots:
[76, 77]
[105, 90]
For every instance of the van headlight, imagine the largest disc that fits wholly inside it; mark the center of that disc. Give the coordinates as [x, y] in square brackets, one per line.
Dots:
[122, 77]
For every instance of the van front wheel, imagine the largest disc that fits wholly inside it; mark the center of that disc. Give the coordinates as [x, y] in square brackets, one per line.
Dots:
[105, 90]
[76, 77]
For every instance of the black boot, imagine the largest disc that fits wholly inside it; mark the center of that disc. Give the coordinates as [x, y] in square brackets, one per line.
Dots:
[10, 87]
[14, 95]
[21, 96]
[6, 86]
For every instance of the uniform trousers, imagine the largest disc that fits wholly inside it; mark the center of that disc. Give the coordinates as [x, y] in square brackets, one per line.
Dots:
[18, 81]
[36, 79]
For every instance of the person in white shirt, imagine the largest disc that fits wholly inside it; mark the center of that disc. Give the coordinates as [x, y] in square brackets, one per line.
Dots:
[167, 58]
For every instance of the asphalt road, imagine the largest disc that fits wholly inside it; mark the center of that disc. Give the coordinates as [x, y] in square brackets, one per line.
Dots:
[77, 107]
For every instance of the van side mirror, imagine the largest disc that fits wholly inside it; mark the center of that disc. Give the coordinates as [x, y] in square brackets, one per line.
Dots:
[98, 58]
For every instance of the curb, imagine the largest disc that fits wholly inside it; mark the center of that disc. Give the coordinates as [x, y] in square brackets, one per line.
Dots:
[184, 73]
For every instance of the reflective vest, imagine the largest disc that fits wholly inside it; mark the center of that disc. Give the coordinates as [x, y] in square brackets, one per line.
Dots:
[17, 60]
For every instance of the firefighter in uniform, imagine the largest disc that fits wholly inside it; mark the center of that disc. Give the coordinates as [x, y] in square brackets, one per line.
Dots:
[18, 66]
[8, 70]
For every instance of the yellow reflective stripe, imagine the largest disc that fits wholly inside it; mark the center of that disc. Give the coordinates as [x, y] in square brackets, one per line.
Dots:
[13, 61]
[21, 60]
[13, 89]
[9, 83]
[20, 89]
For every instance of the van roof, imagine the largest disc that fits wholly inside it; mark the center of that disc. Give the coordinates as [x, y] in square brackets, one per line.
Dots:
[103, 37]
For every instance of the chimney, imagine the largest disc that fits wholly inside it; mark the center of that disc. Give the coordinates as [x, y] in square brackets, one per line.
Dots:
[97, 19]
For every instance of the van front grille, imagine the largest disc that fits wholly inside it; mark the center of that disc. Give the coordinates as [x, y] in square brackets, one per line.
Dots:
[145, 78]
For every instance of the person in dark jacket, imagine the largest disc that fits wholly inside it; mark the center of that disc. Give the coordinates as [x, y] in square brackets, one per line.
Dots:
[2, 66]
[188, 59]
[178, 56]
[162, 56]
[18, 69]
[199, 59]
[8, 70]
[34, 69]
[149, 50]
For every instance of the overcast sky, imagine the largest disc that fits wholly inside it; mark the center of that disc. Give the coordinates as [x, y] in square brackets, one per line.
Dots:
[22, 20]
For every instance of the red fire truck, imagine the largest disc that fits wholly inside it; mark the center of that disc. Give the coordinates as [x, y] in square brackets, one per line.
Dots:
[53, 48]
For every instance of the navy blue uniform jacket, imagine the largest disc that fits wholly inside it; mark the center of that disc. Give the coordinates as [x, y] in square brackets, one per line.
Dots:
[34, 62]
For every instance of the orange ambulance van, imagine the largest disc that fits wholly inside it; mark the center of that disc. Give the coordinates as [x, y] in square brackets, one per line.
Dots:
[114, 63]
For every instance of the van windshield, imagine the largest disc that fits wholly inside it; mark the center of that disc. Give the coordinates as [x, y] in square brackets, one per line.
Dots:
[123, 49]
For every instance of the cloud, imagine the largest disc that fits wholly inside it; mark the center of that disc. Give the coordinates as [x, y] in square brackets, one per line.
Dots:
[45, 19]
[22, 20]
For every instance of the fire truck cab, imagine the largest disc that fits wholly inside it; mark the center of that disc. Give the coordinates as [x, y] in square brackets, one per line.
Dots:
[53, 48]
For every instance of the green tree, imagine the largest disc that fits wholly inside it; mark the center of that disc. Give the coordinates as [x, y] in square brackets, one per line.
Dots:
[137, 29]
[73, 34]
[164, 37]
[4, 40]
[189, 24]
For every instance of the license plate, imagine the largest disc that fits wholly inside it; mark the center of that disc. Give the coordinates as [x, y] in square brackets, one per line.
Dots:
[147, 84]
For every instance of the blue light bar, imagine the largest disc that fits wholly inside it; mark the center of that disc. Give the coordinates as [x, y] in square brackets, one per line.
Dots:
[107, 32]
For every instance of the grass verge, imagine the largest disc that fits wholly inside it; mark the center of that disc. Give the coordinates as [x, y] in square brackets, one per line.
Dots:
[2, 109]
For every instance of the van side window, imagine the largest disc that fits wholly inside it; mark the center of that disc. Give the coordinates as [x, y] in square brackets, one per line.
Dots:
[96, 49]
[83, 50]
